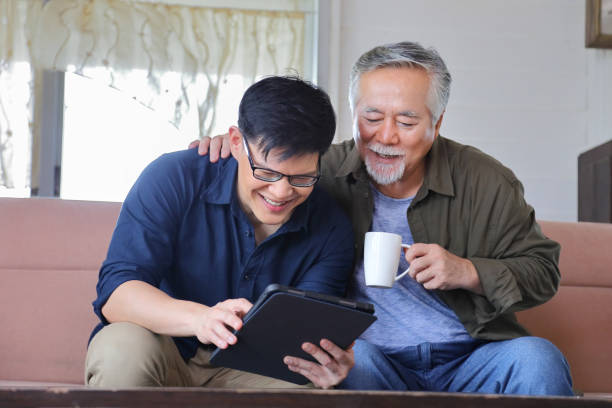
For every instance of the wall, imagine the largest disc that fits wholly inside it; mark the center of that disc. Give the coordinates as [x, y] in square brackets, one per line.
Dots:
[525, 89]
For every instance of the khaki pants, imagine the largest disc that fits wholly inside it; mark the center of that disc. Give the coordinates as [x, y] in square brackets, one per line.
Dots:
[127, 355]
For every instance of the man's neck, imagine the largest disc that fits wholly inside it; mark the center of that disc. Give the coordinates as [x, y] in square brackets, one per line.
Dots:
[260, 230]
[263, 231]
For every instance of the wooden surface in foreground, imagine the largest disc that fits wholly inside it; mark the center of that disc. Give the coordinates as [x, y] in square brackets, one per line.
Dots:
[211, 398]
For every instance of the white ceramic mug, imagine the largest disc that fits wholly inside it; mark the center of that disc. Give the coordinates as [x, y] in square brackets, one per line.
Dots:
[381, 256]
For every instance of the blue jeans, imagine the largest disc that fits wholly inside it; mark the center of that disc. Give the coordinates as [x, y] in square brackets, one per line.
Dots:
[525, 365]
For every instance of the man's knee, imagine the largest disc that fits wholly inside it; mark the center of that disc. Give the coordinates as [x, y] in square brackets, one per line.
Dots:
[538, 354]
[540, 366]
[367, 353]
[372, 371]
[125, 354]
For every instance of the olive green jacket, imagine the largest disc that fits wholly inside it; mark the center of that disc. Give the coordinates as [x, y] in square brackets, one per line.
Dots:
[473, 206]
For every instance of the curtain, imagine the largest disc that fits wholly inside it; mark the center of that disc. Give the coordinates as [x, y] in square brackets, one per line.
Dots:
[172, 58]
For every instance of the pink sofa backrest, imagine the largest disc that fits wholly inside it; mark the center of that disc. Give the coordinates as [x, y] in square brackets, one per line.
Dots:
[51, 250]
[50, 253]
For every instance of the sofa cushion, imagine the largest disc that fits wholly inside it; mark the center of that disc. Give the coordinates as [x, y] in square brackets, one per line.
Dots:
[47, 317]
[578, 319]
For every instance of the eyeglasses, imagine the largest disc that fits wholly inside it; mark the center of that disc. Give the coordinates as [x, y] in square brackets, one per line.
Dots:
[264, 174]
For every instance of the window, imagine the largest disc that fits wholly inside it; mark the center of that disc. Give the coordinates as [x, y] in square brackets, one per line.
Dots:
[106, 145]
[15, 144]
[97, 110]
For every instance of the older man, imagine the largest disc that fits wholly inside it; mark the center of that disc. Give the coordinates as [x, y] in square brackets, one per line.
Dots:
[477, 256]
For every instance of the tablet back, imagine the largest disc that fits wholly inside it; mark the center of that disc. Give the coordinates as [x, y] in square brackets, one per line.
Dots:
[280, 326]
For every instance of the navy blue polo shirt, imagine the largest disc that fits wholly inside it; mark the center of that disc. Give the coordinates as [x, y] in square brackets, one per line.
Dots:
[182, 229]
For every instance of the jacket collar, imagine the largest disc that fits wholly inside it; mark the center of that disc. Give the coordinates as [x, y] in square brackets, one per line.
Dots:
[438, 176]
[352, 164]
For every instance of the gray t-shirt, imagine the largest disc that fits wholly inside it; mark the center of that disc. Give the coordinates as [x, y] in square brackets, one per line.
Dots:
[408, 314]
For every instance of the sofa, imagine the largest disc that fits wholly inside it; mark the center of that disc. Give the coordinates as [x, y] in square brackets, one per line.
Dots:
[51, 249]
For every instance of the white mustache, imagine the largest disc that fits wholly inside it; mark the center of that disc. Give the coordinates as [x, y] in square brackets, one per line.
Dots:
[384, 149]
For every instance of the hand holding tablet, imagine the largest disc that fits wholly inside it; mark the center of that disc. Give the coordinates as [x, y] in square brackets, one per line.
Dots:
[282, 320]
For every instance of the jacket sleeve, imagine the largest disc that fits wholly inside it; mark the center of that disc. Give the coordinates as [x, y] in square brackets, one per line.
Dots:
[520, 268]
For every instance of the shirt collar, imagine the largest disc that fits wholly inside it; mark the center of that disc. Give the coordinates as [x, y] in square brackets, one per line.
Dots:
[222, 190]
[299, 218]
[437, 168]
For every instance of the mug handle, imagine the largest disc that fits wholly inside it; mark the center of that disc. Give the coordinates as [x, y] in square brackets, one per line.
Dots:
[401, 275]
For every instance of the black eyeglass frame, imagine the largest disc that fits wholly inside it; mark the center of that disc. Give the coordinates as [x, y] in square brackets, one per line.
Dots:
[277, 175]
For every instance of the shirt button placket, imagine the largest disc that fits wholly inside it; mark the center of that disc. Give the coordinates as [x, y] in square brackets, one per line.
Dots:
[248, 275]
[246, 282]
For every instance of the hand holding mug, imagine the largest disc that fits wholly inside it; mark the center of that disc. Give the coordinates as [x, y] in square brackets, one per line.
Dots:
[436, 268]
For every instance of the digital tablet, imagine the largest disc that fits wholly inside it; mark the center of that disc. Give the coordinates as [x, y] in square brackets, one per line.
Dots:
[281, 320]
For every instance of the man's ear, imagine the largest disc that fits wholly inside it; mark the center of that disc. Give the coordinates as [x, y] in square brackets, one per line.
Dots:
[438, 124]
[235, 140]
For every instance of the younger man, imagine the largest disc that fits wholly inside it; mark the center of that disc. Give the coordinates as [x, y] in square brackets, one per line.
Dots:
[197, 242]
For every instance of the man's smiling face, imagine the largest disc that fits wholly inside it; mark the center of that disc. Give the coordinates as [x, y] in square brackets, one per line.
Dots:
[270, 203]
[394, 127]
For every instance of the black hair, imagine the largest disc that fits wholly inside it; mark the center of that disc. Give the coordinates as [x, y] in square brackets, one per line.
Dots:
[289, 114]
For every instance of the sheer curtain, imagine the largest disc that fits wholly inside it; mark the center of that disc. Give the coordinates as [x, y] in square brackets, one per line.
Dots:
[171, 57]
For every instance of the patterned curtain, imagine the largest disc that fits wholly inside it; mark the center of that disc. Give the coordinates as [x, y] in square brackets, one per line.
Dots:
[170, 57]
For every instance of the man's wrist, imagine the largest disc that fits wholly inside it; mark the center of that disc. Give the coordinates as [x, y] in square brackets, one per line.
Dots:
[473, 283]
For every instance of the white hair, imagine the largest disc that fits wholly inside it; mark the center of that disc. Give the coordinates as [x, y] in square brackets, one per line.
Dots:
[406, 54]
